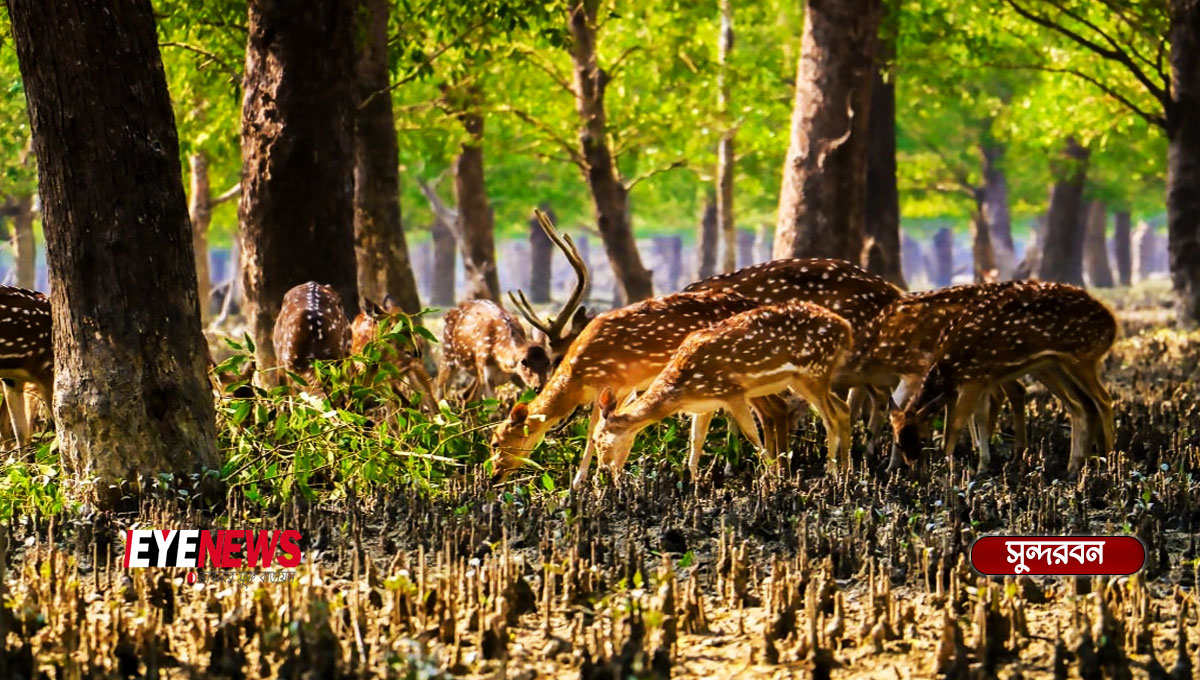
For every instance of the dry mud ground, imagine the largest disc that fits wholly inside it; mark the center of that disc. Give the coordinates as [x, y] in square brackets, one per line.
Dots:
[750, 575]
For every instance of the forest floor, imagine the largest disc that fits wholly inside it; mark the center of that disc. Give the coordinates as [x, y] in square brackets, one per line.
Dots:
[752, 574]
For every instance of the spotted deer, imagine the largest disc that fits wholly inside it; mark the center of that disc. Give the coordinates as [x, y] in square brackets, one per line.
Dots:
[1056, 332]
[841, 287]
[26, 354]
[311, 326]
[764, 351]
[624, 350]
[487, 342]
[365, 329]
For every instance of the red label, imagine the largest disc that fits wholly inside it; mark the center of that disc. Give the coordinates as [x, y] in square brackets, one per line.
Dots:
[1057, 555]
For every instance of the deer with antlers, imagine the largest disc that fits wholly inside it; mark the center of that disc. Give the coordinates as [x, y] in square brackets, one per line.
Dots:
[1056, 332]
[624, 350]
[365, 329]
[311, 326]
[764, 351]
[487, 342]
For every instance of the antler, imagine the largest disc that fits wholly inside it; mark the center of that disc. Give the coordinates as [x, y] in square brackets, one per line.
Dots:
[554, 329]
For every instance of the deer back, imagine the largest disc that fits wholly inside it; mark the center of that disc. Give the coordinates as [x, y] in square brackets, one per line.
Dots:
[311, 325]
[26, 350]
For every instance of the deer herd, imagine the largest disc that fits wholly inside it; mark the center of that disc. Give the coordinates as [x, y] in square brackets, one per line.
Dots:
[762, 343]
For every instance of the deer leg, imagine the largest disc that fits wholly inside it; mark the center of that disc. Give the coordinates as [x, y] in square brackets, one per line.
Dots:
[835, 416]
[739, 408]
[980, 426]
[14, 397]
[1059, 384]
[1014, 391]
[1087, 376]
[700, 424]
[958, 414]
[586, 460]
[772, 413]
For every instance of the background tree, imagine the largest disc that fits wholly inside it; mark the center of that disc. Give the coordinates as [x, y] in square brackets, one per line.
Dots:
[129, 355]
[824, 177]
[882, 208]
[726, 147]
[297, 213]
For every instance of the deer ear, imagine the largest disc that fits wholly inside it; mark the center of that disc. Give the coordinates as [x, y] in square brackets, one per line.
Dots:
[370, 308]
[389, 304]
[608, 401]
[518, 414]
[580, 320]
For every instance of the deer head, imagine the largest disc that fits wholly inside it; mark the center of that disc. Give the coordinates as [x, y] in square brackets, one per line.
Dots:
[569, 322]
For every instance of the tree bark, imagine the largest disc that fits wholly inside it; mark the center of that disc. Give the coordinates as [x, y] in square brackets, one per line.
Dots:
[745, 247]
[1095, 254]
[297, 210]
[381, 249]
[1123, 246]
[23, 243]
[707, 240]
[609, 195]
[824, 178]
[1183, 161]
[130, 358]
[541, 258]
[1062, 241]
[882, 208]
[995, 209]
[943, 257]
[200, 213]
[725, 148]
[669, 251]
[912, 259]
[445, 253]
[983, 255]
[475, 219]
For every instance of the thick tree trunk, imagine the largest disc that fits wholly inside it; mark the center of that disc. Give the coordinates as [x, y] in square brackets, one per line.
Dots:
[200, 212]
[130, 358]
[882, 208]
[1183, 161]
[1123, 246]
[995, 209]
[608, 193]
[707, 240]
[824, 177]
[1095, 253]
[1062, 241]
[1032, 259]
[943, 257]
[381, 249]
[297, 210]
[23, 243]
[541, 258]
[476, 225]
[983, 254]
[725, 148]
[445, 253]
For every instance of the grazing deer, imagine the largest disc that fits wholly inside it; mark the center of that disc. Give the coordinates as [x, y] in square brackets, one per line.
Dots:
[558, 335]
[848, 290]
[1057, 332]
[761, 352]
[365, 329]
[624, 349]
[311, 326]
[26, 353]
[481, 338]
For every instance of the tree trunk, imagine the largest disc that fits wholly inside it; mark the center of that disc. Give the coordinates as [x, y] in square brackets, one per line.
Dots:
[913, 260]
[762, 241]
[381, 249]
[995, 209]
[707, 241]
[608, 193]
[200, 212]
[541, 250]
[983, 255]
[725, 148]
[297, 210]
[669, 251]
[445, 253]
[1183, 161]
[745, 247]
[1095, 254]
[475, 218]
[1146, 247]
[882, 208]
[23, 243]
[1031, 262]
[824, 178]
[943, 257]
[1123, 246]
[1062, 242]
[130, 358]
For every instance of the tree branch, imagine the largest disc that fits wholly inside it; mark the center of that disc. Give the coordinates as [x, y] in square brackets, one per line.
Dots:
[417, 73]
[235, 76]
[229, 194]
[677, 163]
[1154, 119]
[546, 67]
[573, 153]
